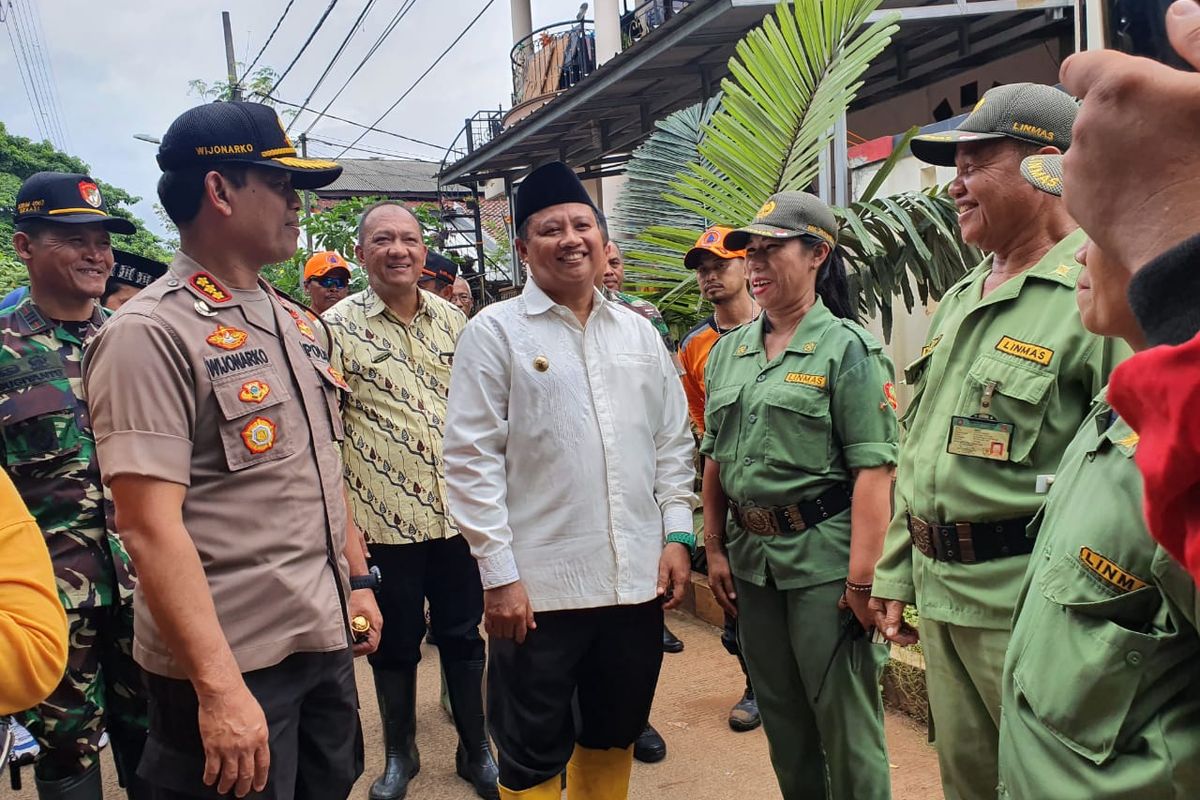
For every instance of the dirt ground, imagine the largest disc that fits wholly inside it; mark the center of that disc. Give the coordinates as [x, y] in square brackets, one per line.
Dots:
[705, 761]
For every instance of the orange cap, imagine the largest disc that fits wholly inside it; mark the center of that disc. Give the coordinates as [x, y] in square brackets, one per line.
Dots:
[321, 263]
[711, 241]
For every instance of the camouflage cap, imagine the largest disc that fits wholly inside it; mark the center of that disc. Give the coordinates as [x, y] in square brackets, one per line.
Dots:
[1030, 112]
[787, 215]
[1045, 172]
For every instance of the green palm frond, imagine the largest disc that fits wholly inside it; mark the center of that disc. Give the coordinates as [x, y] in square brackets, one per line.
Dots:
[792, 79]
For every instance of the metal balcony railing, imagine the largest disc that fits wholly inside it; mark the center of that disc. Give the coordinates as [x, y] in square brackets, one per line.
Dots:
[646, 16]
[552, 59]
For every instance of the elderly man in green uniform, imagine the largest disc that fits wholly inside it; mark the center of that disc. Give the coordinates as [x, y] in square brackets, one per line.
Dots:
[1101, 692]
[63, 235]
[1003, 382]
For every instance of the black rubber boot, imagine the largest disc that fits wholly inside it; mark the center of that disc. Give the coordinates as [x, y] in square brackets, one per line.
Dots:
[396, 690]
[87, 786]
[127, 754]
[473, 760]
[649, 747]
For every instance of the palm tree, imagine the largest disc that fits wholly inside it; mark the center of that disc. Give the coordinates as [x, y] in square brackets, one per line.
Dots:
[717, 162]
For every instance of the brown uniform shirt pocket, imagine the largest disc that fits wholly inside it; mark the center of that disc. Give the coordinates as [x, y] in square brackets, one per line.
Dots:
[256, 426]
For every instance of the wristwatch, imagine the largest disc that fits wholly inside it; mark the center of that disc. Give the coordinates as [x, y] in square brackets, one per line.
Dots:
[372, 580]
[684, 538]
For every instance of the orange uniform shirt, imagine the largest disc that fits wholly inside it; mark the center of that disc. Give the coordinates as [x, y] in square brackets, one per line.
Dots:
[693, 354]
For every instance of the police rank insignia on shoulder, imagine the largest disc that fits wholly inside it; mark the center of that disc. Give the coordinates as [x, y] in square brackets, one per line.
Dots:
[207, 285]
[254, 391]
[1110, 573]
[227, 338]
[259, 435]
[806, 379]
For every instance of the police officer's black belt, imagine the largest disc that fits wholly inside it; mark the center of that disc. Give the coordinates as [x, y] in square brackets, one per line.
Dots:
[796, 518]
[970, 542]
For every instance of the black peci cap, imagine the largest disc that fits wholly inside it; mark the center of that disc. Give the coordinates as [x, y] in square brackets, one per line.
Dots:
[66, 197]
[549, 185]
[239, 133]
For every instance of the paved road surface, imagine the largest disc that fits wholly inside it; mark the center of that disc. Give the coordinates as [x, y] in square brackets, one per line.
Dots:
[706, 760]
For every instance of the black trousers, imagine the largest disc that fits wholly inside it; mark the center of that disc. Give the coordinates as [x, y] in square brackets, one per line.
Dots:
[444, 571]
[311, 706]
[609, 657]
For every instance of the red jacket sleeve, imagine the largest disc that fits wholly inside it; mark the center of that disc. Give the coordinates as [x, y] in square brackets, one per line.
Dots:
[1158, 393]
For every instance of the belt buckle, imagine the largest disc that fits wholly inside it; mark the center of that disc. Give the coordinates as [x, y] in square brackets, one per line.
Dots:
[966, 542]
[919, 532]
[760, 522]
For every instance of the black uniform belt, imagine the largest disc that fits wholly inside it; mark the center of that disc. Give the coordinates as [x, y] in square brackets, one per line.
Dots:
[970, 542]
[796, 518]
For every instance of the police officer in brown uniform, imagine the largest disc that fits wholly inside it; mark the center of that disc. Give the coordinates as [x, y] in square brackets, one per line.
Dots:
[216, 416]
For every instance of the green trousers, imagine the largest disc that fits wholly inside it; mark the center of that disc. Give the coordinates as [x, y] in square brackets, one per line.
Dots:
[963, 674]
[831, 746]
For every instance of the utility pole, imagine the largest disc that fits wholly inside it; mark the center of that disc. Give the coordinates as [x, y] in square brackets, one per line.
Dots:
[235, 91]
[307, 197]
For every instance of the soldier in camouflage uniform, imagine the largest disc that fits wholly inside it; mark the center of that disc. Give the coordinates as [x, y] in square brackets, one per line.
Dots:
[49, 452]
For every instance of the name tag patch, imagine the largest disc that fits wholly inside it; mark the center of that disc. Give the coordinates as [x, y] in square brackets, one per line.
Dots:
[1110, 573]
[31, 371]
[1030, 352]
[805, 379]
[223, 365]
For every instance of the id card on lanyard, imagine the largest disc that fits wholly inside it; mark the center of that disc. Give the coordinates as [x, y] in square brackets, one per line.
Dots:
[981, 435]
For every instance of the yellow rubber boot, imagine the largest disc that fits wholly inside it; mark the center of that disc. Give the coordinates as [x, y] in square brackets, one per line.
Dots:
[599, 774]
[550, 790]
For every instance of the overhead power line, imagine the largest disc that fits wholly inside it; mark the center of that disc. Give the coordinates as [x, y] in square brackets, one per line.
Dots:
[47, 68]
[304, 46]
[22, 70]
[336, 55]
[263, 49]
[387, 31]
[368, 128]
[417, 82]
[336, 143]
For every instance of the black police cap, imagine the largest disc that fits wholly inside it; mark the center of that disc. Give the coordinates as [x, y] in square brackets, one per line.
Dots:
[66, 197]
[239, 133]
[438, 267]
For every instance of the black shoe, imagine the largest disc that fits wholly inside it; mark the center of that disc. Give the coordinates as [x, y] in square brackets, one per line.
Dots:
[396, 690]
[671, 643]
[473, 761]
[744, 714]
[87, 786]
[649, 747]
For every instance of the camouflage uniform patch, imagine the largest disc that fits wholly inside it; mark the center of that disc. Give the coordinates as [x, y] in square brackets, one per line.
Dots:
[646, 309]
[102, 689]
[48, 449]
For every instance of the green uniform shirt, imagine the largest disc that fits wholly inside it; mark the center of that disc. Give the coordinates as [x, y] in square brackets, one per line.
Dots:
[1101, 688]
[1026, 338]
[49, 451]
[787, 430]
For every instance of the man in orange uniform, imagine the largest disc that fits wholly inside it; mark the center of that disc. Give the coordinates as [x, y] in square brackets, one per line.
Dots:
[721, 273]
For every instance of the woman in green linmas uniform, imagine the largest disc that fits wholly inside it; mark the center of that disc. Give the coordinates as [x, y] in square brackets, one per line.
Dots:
[800, 443]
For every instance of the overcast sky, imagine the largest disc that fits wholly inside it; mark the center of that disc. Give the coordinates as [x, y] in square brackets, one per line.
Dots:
[122, 68]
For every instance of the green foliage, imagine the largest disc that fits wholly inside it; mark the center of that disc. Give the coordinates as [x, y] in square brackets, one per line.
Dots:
[12, 274]
[792, 79]
[21, 157]
[257, 85]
